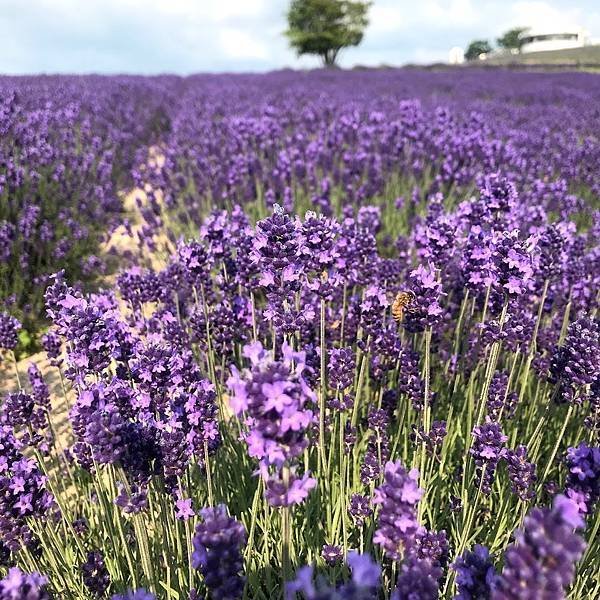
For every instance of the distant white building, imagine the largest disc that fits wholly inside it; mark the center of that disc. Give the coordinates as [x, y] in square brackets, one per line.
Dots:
[456, 56]
[540, 40]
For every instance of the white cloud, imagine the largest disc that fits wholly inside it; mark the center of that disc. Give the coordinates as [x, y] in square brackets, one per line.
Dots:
[242, 45]
[390, 15]
[543, 15]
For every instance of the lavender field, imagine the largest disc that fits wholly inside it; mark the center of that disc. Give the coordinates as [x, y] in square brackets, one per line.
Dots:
[303, 335]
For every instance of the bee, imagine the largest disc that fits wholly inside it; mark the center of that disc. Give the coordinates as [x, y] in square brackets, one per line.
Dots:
[402, 303]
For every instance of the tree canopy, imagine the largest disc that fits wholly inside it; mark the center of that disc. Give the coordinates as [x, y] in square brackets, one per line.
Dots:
[324, 27]
[510, 40]
[477, 47]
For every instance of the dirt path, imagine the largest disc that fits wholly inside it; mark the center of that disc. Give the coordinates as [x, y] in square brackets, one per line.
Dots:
[120, 243]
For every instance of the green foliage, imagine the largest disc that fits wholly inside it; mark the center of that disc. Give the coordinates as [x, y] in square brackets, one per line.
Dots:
[477, 47]
[324, 27]
[26, 343]
[510, 40]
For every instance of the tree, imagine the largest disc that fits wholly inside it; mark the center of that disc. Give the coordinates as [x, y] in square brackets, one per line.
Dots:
[510, 40]
[324, 27]
[476, 48]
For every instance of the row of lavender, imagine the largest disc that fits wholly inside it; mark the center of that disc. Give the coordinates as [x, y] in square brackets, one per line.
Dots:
[67, 146]
[333, 142]
[261, 402]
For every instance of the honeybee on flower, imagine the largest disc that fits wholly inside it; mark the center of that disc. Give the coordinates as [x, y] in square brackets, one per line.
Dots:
[402, 302]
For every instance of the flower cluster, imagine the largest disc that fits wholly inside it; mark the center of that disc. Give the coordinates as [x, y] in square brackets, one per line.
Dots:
[573, 365]
[364, 582]
[9, 329]
[397, 522]
[95, 575]
[487, 451]
[475, 574]
[274, 401]
[218, 544]
[23, 493]
[521, 473]
[417, 579]
[22, 586]
[583, 480]
[542, 560]
[500, 401]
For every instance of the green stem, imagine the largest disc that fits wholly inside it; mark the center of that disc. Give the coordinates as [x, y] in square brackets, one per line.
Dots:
[16, 365]
[209, 484]
[285, 534]
[557, 443]
[323, 462]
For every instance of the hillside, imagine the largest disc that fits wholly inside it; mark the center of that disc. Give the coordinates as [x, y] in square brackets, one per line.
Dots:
[588, 56]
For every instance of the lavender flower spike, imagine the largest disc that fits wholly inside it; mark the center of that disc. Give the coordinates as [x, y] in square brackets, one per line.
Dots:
[541, 562]
[139, 594]
[363, 585]
[398, 497]
[217, 553]
[22, 586]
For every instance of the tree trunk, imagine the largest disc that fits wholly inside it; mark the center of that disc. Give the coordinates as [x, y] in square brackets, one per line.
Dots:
[329, 57]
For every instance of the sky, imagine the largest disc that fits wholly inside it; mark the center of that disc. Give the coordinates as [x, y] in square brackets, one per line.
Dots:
[188, 36]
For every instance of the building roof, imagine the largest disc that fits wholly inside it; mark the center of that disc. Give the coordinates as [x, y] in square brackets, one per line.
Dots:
[535, 31]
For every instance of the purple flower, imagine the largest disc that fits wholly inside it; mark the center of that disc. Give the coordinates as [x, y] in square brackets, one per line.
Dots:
[359, 509]
[521, 473]
[138, 286]
[22, 586]
[477, 268]
[434, 439]
[39, 389]
[52, 344]
[497, 197]
[500, 401]
[7, 235]
[397, 525]
[9, 329]
[358, 257]
[17, 409]
[139, 594]
[475, 574]
[218, 545]
[133, 502]
[417, 579]
[514, 263]
[194, 261]
[369, 217]
[184, 509]
[487, 450]
[332, 554]
[276, 252]
[81, 526]
[341, 366]
[363, 585]
[574, 364]
[426, 310]
[281, 493]
[432, 546]
[317, 245]
[542, 559]
[377, 452]
[94, 330]
[409, 378]
[95, 574]
[435, 239]
[273, 397]
[583, 480]
[552, 244]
